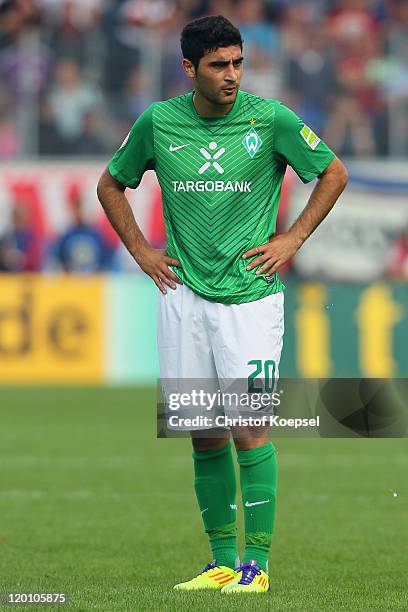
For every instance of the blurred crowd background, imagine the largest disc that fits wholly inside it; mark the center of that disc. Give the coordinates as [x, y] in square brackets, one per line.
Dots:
[75, 74]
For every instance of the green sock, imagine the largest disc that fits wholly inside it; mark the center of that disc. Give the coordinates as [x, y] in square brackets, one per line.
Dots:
[216, 488]
[259, 471]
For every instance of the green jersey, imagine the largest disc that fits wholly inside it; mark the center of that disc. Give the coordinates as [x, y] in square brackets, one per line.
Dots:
[221, 180]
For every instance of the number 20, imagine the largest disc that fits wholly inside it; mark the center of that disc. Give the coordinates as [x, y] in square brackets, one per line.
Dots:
[269, 367]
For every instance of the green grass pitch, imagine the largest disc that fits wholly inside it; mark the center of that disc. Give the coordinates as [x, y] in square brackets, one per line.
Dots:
[92, 504]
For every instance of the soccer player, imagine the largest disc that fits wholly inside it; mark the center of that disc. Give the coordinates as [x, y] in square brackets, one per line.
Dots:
[220, 155]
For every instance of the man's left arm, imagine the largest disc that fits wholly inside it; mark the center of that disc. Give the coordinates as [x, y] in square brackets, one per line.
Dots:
[279, 249]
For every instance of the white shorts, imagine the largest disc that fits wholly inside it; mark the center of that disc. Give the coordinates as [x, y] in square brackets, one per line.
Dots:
[217, 343]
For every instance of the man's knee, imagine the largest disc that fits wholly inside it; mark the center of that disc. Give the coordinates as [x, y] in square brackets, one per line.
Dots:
[204, 444]
[247, 438]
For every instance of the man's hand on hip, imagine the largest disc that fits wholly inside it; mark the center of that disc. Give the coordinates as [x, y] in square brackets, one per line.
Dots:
[155, 263]
[273, 254]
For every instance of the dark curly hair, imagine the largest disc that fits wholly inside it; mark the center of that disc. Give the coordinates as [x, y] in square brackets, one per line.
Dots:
[208, 34]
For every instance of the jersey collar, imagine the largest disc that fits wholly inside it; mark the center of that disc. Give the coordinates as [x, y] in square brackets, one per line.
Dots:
[232, 112]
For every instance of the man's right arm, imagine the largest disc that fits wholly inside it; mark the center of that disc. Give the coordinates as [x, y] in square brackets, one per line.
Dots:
[153, 262]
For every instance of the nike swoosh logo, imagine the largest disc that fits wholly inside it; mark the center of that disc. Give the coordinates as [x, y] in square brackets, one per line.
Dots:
[172, 148]
[249, 504]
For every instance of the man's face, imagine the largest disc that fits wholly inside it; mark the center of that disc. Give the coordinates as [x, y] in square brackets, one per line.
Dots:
[218, 75]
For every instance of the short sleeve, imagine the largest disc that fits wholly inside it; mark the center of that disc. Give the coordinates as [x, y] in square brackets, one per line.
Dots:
[136, 154]
[300, 147]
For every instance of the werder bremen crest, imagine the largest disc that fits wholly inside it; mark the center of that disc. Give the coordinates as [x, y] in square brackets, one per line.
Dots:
[252, 142]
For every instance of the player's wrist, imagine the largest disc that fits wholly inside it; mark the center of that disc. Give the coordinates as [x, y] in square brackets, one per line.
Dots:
[296, 238]
[141, 251]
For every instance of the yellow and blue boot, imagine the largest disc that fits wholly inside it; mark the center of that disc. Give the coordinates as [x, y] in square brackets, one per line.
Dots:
[213, 577]
[250, 579]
